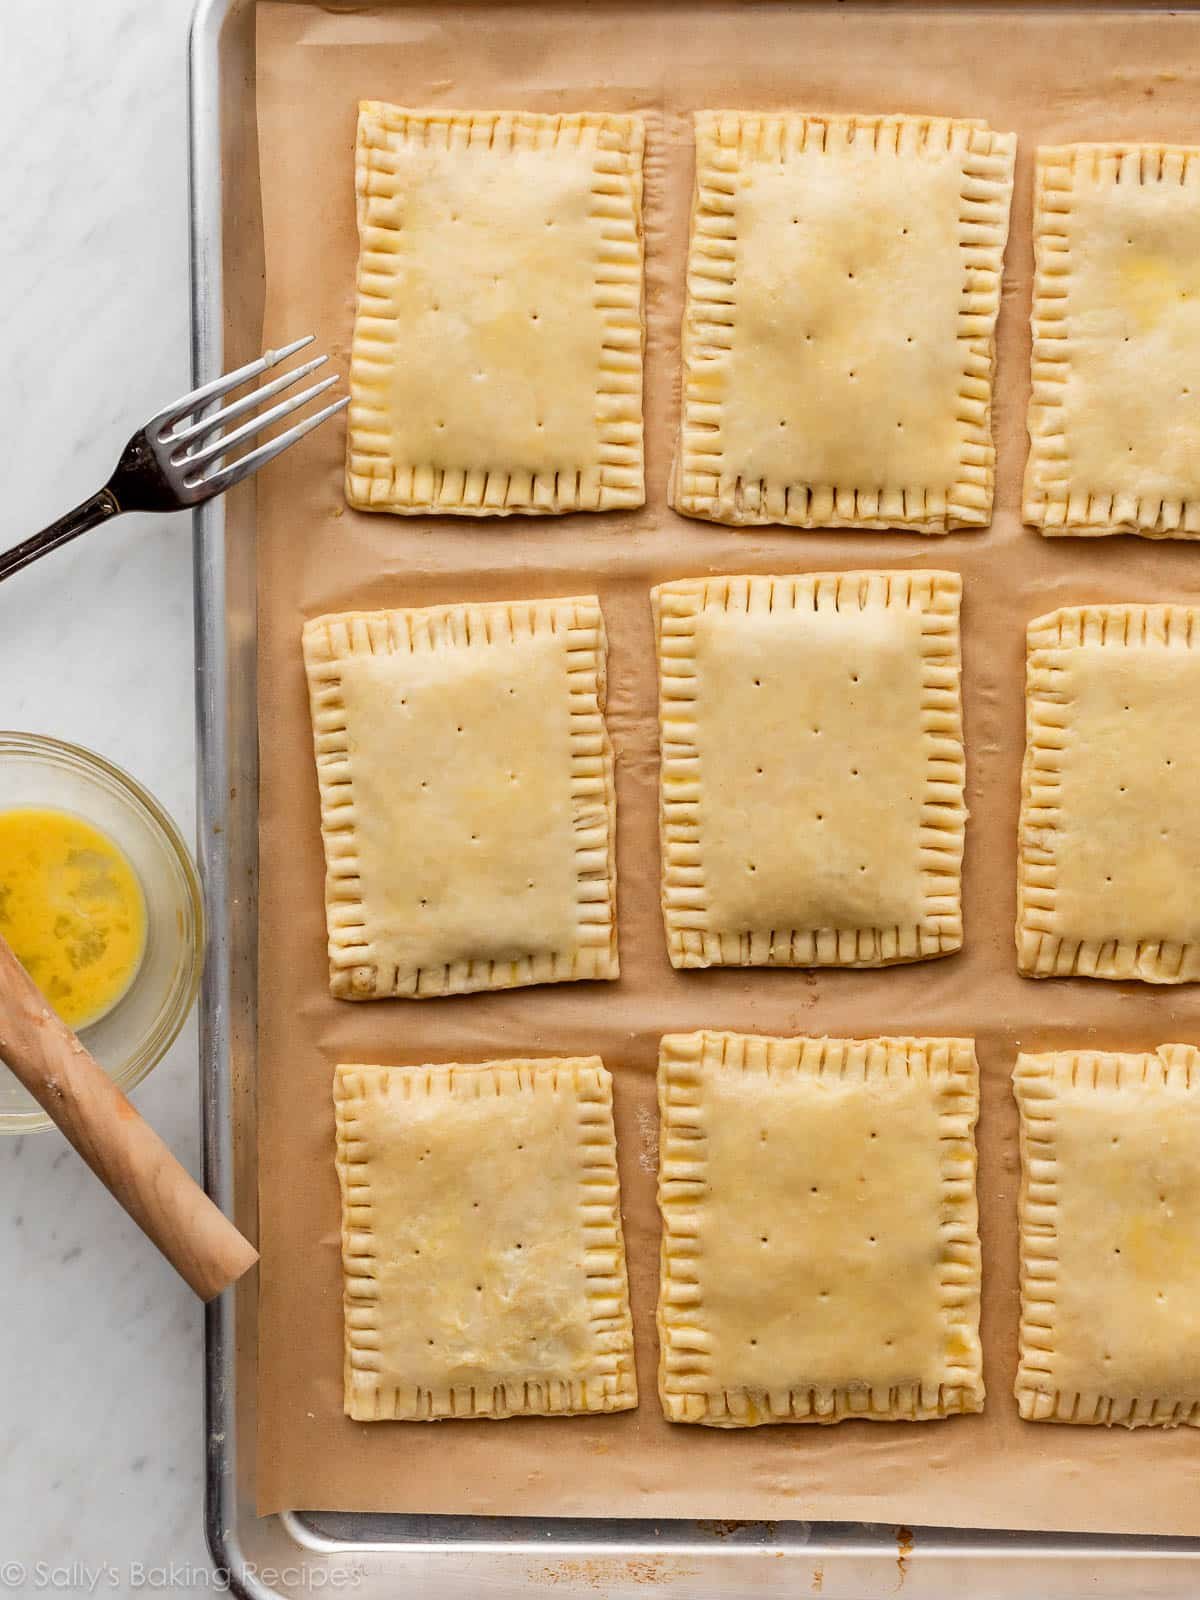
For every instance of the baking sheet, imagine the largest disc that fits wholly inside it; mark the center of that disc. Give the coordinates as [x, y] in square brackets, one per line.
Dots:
[1051, 75]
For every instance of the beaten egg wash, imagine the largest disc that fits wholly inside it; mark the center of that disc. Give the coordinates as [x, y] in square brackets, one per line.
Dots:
[72, 908]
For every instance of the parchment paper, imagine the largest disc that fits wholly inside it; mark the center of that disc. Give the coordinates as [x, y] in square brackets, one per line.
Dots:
[1050, 75]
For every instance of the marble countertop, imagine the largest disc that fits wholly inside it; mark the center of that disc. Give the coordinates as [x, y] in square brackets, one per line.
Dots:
[101, 1426]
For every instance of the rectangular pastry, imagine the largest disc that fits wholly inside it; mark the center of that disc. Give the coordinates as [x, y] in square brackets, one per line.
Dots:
[481, 1241]
[467, 800]
[812, 768]
[1110, 1215]
[838, 339]
[1109, 870]
[1114, 417]
[497, 356]
[820, 1255]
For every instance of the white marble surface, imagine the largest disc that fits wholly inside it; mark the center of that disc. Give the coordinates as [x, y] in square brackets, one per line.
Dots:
[100, 1428]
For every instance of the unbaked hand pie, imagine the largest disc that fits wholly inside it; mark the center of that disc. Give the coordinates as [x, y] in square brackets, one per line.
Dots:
[481, 1241]
[1110, 1216]
[838, 339]
[467, 801]
[1109, 870]
[1114, 418]
[497, 356]
[820, 1254]
[812, 768]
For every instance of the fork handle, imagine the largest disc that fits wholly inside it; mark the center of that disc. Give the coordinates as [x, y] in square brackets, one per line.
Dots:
[97, 508]
[124, 1152]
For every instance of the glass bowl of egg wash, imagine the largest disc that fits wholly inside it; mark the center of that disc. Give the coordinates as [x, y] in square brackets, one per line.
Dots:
[100, 901]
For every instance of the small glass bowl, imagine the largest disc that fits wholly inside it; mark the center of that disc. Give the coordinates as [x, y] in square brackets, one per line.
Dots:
[135, 1035]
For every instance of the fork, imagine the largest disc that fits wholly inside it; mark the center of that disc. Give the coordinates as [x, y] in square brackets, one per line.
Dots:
[169, 466]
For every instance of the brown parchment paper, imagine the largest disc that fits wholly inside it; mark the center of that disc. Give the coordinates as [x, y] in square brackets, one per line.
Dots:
[1051, 75]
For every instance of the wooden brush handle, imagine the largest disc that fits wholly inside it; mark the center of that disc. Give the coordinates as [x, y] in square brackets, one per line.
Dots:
[124, 1152]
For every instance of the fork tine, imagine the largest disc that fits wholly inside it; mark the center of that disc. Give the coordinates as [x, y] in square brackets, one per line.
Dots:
[221, 418]
[219, 386]
[225, 477]
[222, 447]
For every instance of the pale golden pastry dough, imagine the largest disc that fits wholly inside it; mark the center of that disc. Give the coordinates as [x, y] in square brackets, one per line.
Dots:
[481, 1241]
[820, 1254]
[467, 801]
[812, 768]
[1114, 418]
[497, 357]
[1109, 869]
[1110, 1216]
[838, 338]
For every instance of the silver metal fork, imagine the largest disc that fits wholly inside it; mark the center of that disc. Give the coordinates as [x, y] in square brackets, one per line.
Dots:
[169, 466]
